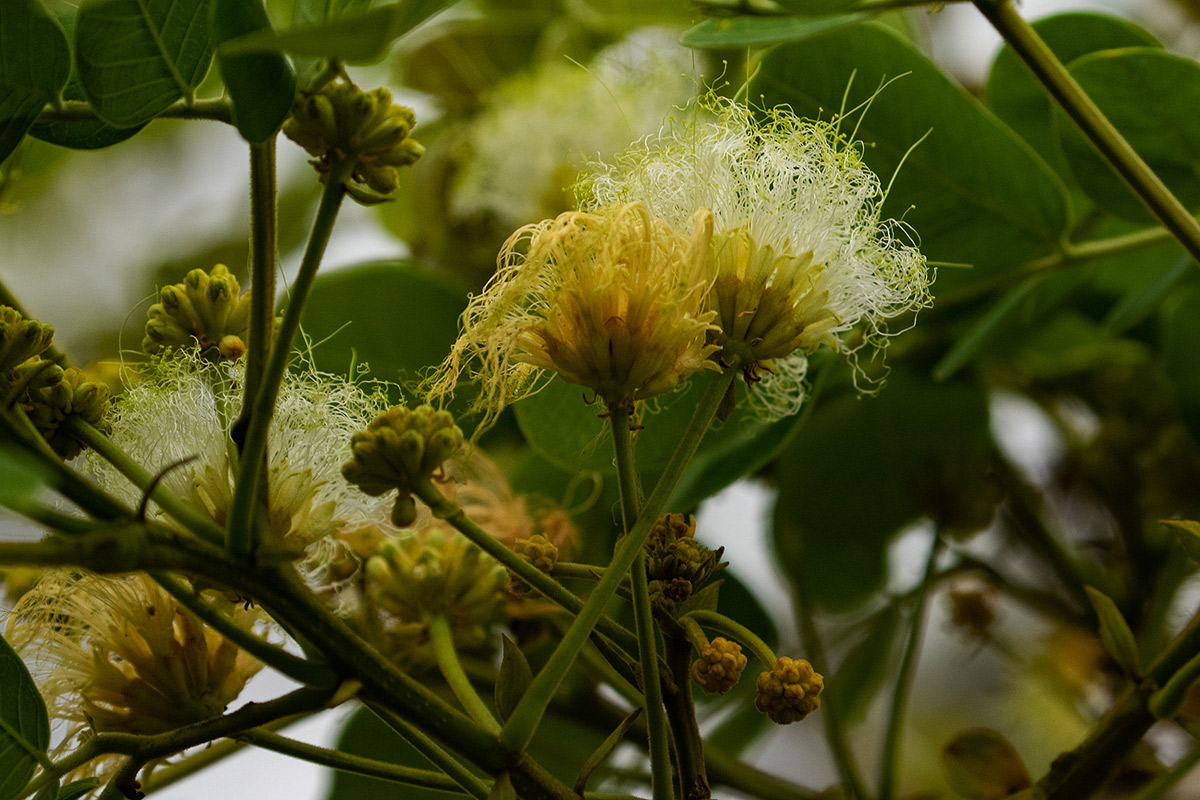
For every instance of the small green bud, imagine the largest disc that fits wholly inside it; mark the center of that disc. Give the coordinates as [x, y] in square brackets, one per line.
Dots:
[400, 448]
[206, 310]
[538, 551]
[20, 339]
[72, 394]
[404, 510]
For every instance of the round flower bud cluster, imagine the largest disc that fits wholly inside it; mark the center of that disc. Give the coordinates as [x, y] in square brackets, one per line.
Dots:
[719, 666]
[538, 551]
[207, 311]
[57, 394]
[677, 564]
[789, 692]
[46, 392]
[435, 573]
[399, 449]
[611, 301]
[341, 121]
[20, 339]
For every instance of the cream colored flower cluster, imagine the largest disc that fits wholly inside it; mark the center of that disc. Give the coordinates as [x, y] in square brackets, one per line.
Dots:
[732, 240]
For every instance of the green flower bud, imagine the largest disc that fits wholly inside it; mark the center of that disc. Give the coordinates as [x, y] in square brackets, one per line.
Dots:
[343, 122]
[719, 666]
[538, 551]
[400, 448]
[71, 394]
[436, 573]
[789, 692]
[20, 339]
[206, 310]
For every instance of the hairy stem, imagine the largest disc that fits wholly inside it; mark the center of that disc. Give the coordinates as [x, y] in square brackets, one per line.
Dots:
[525, 718]
[647, 634]
[345, 762]
[1086, 115]
[240, 532]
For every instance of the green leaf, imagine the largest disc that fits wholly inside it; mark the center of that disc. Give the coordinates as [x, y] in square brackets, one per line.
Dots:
[863, 670]
[262, 86]
[1187, 533]
[1114, 632]
[24, 724]
[747, 31]
[76, 789]
[1021, 101]
[1146, 298]
[817, 7]
[360, 38]
[855, 477]
[972, 191]
[1030, 303]
[35, 62]
[137, 57]
[401, 319]
[315, 11]
[81, 134]
[601, 753]
[514, 678]
[1147, 94]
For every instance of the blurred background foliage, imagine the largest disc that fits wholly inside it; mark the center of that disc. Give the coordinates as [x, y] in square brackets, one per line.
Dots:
[1060, 309]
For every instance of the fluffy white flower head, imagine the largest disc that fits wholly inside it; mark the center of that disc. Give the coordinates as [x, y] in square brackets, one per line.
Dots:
[800, 254]
[538, 130]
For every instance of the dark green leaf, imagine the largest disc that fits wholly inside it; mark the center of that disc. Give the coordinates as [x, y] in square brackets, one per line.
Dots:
[35, 62]
[48, 792]
[738, 602]
[1148, 95]
[745, 31]
[309, 12]
[1021, 101]
[78, 788]
[972, 190]
[1115, 632]
[1143, 300]
[862, 672]
[1187, 533]
[704, 600]
[1020, 309]
[855, 475]
[359, 38]
[601, 753]
[514, 678]
[262, 85]
[24, 724]
[401, 319]
[817, 7]
[1181, 354]
[135, 58]
[81, 134]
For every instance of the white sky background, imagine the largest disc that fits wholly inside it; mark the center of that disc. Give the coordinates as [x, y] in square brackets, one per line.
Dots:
[64, 241]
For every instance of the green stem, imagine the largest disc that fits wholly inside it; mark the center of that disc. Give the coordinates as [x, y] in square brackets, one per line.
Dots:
[442, 640]
[1158, 787]
[835, 734]
[893, 737]
[119, 548]
[446, 509]
[345, 762]
[736, 630]
[80, 111]
[681, 713]
[520, 727]
[185, 514]
[1067, 255]
[277, 658]
[437, 755]
[240, 532]
[647, 634]
[1086, 115]
[264, 243]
